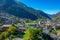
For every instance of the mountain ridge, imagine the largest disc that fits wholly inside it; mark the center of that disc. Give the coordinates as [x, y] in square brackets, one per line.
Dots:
[21, 10]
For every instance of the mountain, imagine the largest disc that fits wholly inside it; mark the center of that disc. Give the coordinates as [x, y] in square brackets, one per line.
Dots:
[56, 17]
[21, 10]
[51, 15]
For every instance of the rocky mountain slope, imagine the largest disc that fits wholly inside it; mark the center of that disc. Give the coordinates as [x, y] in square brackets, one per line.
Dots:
[20, 10]
[56, 17]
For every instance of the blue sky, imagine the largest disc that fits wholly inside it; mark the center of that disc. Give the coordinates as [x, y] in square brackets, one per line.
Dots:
[48, 6]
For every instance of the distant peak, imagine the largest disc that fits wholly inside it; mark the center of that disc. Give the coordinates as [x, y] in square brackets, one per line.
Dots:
[59, 12]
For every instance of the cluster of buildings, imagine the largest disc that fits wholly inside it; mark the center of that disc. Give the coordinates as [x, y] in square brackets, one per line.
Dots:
[46, 25]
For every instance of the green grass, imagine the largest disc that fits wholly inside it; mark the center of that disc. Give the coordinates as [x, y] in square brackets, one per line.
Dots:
[26, 23]
[32, 23]
[17, 24]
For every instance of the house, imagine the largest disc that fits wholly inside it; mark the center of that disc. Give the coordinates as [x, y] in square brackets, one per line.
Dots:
[22, 29]
[41, 24]
[53, 35]
[8, 25]
[46, 31]
[4, 28]
[57, 25]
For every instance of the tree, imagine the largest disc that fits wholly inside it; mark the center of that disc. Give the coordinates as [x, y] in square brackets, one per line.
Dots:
[54, 31]
[8, 34]
[47, 37]
[32, 34]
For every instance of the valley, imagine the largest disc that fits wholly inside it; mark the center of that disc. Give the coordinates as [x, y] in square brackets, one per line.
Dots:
[20, 22]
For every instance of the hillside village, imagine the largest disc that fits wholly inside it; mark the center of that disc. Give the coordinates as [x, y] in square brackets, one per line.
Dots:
[47, 25]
